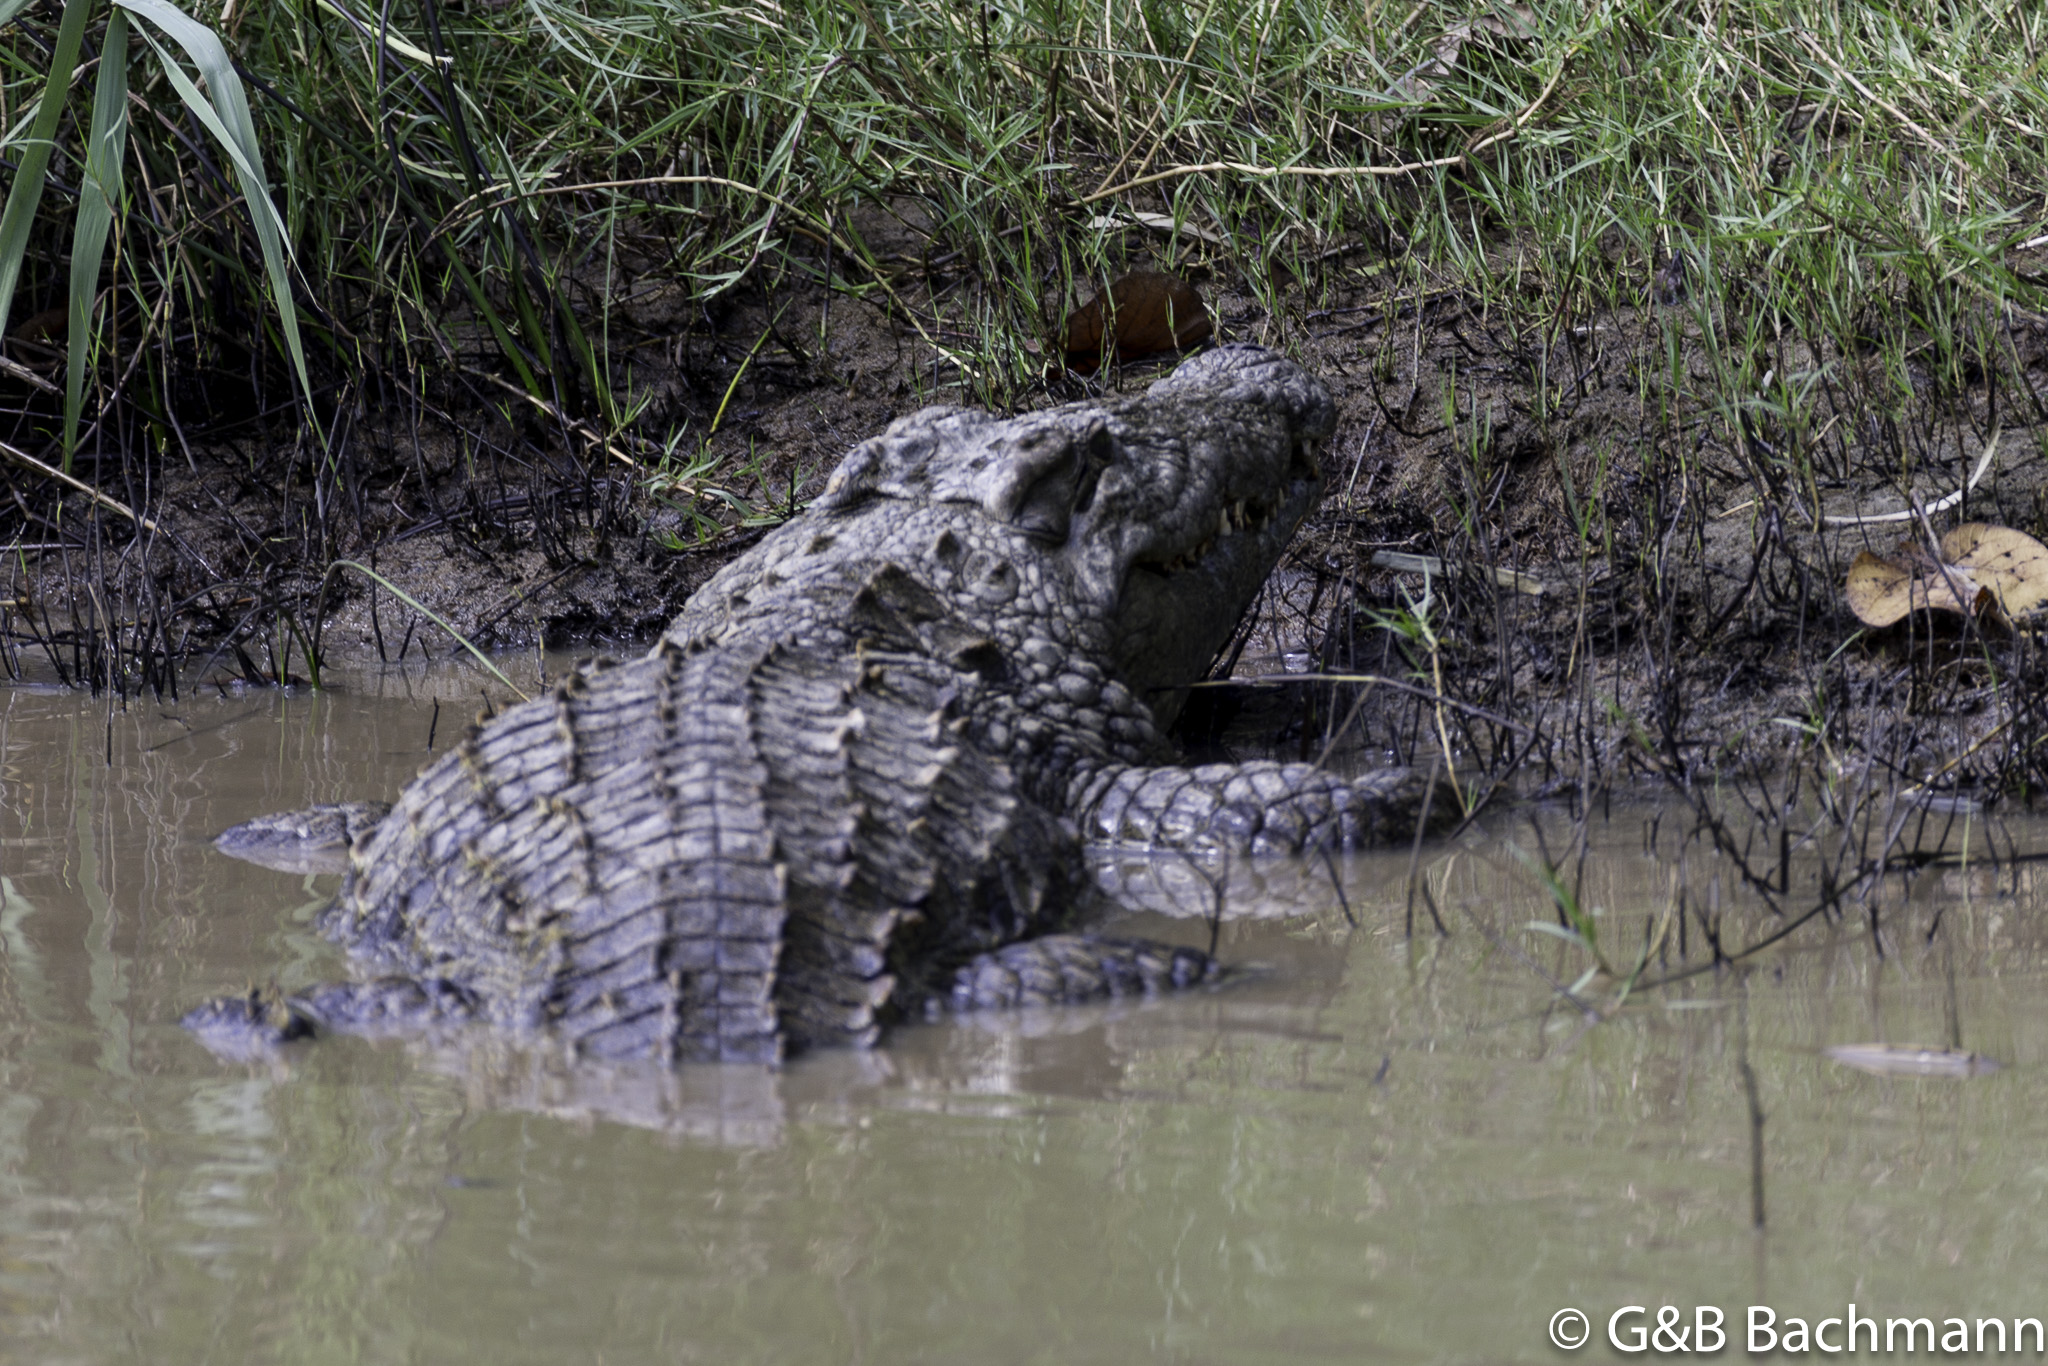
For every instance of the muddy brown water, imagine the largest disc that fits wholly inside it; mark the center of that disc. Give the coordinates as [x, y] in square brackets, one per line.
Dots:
[1370, 1146]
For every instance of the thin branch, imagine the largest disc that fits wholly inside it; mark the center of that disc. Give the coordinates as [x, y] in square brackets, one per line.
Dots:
[111, 504]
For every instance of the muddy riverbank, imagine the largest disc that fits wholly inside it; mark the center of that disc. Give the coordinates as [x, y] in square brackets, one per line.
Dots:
[1629, 576]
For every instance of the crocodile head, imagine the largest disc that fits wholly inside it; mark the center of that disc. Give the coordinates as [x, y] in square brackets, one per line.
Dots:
[1213, 474]
[1158, 517]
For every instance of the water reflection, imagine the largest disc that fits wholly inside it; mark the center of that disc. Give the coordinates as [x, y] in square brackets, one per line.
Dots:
[1377, 1142]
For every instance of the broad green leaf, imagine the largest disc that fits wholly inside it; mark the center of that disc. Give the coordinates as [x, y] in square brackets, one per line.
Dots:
[227, 117]
[27, 192]
[98, 191]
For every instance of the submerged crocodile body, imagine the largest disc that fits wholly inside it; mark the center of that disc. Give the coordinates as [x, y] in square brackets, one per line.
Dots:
[854, 779]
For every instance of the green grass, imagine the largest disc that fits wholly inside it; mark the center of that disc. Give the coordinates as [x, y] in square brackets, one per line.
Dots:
[473, 191]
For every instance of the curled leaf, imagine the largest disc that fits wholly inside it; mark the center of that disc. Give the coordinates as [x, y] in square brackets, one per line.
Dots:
[1882, 590]
[1980, 567]
[1144, 312]
[2012, 565]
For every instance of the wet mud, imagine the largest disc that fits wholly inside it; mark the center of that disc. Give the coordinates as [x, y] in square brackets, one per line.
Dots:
[1628, 578]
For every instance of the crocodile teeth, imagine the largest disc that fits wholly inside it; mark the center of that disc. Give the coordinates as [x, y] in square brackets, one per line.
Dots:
[1313, 456]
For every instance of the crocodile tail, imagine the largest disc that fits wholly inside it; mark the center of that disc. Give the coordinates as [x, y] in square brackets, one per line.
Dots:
[598, 862]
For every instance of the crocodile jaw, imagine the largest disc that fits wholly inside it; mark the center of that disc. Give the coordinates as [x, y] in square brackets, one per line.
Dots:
[1211, 479]
[1173, 619]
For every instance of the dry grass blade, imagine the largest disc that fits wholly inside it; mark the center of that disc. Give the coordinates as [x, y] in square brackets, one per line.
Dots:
[1910, 1060]
[27, 461]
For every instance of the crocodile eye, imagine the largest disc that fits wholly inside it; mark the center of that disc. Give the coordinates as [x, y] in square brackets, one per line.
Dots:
[1049, 478]
[1097, 454]
[1046, 508]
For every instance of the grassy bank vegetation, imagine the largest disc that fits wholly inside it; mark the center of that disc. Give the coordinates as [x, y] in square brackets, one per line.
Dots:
[479, 185]
[1630, 297]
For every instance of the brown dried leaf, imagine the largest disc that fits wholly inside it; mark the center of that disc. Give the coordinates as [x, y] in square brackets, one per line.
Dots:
[2012, 565]
[1148, 312]
[40, 337]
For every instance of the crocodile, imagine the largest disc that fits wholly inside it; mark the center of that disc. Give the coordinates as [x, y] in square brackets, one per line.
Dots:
[854, 780]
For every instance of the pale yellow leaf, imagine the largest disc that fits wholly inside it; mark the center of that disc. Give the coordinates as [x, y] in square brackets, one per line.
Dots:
[2011, 564]
[1882, 589]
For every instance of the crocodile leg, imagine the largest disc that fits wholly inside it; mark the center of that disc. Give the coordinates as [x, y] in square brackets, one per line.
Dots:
[263, 1019]
[316, 840]
[1067, 969]
[1259, 808]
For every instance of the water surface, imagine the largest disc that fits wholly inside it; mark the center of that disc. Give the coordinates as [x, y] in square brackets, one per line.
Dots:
[1374, 1145]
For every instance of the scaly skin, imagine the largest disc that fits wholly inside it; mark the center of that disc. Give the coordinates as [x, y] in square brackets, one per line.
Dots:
[852, 780]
